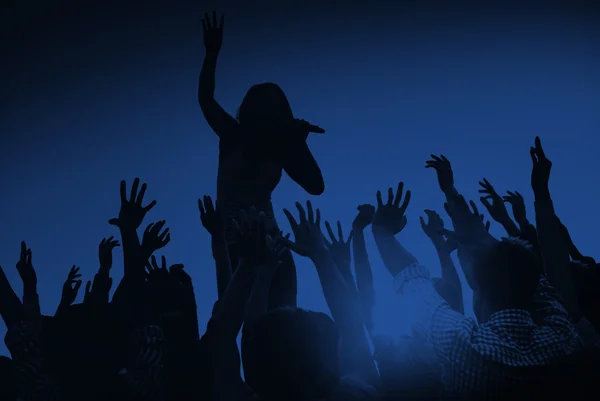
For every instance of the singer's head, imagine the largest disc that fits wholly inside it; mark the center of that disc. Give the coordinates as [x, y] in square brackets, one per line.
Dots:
[264, 106]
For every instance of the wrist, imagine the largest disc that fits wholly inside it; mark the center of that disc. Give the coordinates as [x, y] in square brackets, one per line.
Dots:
[358, 227]
[542, 194]
[380, 230]
[438, 242]
[320, 255]
[212, 54]
[30, 288]
[450, 191]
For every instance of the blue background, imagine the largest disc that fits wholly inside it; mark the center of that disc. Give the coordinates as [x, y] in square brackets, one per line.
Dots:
[93, 94]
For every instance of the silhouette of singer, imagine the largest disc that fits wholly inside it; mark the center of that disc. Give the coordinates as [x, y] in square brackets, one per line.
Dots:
[254, 149]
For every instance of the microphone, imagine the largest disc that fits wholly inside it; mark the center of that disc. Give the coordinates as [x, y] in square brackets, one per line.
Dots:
[311, 128]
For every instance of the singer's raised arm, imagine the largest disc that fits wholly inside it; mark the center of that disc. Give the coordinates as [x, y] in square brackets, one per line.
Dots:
[221, 122]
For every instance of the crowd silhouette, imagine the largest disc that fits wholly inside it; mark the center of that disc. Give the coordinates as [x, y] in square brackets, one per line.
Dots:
[536, 301]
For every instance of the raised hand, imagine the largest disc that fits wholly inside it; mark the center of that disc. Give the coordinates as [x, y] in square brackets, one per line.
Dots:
[209, 216]
[338, 248]
[517, 202]
[105, 253]
[166, 294]
[278, 247]
[156, 273]
[254, 244]
[391, 216]
[153, 239]
[540, 173]
[71, 287]
[470, 226]
[434, 228]
[132, 212]
[25, 267]
[308, 238]
[445, 176]
[213, 33]
[496, 209]
[364, 217]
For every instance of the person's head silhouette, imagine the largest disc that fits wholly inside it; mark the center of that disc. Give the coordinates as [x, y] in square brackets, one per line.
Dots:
[291, 354]
[264, 107]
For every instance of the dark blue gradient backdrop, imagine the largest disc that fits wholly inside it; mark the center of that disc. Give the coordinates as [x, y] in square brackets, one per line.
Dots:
[92, 94]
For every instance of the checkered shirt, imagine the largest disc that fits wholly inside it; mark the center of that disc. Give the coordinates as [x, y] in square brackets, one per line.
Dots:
[479, 361]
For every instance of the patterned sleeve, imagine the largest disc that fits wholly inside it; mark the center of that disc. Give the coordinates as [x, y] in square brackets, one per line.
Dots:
[146, 373]
[548, 309]
[33, 379]
[435, 319]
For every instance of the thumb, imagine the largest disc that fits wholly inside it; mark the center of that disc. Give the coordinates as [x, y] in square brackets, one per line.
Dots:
[486, 203]
[290, 244]
[113, 222]
[422, 221]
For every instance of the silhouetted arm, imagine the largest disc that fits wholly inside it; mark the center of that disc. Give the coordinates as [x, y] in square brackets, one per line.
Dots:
[221, 122]
[133, 266]
[356, 359]
[191, 308]
[364, 276]
[221, 333]
[258, 303]
[222, 263]
[554, 248]
[10, 305]
[303, 168]
[449, 286]
[395, 257]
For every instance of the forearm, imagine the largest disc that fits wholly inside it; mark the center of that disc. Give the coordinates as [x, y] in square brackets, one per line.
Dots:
[61, 309]
[555, 252]
[31, 300]
[133, 279]
[342, 304]
[450, 193]
[305, 172]
[133, 263]
[511, 228]
[191, 311]
[346, 312]
[524, 224]
[364, 273]
[101, 287]
[10, 308]
[395, 257]
[449, 272]
[206, 82]
[230, 313]
[10, 304]
[259, 298]
[222, 263]
[452, 288]
[529, 234]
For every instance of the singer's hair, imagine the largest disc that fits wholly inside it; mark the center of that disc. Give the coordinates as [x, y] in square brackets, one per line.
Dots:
[263, 104]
